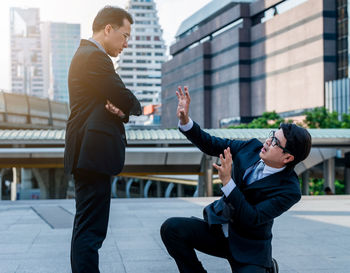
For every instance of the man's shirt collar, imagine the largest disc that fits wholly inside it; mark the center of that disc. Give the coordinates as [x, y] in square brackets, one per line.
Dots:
[97, 44]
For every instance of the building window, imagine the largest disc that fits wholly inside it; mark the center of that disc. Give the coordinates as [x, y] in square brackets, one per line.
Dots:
[143, 46]
[342, 39]
[143, 54]
[275, 10]
[127, 76]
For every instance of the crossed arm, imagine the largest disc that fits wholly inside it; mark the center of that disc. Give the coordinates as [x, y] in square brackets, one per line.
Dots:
[105, 83]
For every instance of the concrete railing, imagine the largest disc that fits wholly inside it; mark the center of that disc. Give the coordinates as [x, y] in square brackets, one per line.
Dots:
[21, 111]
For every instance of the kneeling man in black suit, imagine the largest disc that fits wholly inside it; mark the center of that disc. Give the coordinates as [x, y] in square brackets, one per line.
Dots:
[261, 186]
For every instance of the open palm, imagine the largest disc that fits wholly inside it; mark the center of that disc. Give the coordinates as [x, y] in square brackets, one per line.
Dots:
[183, 106]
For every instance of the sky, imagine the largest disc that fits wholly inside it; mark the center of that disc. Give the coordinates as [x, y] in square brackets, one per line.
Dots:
[171, 13]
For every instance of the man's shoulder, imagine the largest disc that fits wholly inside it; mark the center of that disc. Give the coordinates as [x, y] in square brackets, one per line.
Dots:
[92, 55]
[87, 48]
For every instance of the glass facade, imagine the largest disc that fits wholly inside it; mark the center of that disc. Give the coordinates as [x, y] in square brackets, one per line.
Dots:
[26, 55]
[343, 38]
[338, 96]
[60, 41]
[337, 93]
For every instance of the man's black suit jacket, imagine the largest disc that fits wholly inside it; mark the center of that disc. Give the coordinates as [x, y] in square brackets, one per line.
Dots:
[249, 210]
[95, 138]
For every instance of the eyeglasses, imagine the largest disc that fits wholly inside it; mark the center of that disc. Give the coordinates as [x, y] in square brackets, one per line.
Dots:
[126, 36]
[275, 142]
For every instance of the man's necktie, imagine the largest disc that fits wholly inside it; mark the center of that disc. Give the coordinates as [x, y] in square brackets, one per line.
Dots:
[256, 173]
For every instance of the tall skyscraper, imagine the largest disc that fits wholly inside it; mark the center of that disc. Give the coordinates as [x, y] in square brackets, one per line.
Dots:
[26, 57]
[59, 43]
[139, 66]
[337, 95]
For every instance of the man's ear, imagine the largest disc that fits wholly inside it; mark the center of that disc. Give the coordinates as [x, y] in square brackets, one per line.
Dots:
[288, 158]
[108, 29]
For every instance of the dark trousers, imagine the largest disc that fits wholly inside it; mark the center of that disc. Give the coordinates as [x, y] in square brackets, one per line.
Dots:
[92, 197]
[182, 236]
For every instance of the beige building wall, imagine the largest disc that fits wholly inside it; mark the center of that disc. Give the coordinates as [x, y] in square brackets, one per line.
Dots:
[288, 66]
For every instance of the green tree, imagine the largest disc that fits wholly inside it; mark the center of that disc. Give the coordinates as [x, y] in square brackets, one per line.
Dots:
[345, 122]
[320, 117]
[267, 120]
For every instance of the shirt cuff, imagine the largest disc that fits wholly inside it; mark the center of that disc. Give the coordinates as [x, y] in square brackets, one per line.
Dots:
[228, 188]
[188, 126]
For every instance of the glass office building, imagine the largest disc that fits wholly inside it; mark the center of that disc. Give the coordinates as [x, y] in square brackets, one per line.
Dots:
[337, 92]
[26, 55]
[60, 41]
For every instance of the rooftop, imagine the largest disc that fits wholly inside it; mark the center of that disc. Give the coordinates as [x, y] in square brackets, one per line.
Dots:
[330, 137]
[206, 12]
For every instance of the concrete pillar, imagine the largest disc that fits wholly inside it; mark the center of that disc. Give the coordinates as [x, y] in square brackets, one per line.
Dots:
[26, 179]
[42, 180]
[2, 172]
[15, 181]
[141, 187]
[159, 189]
[347, 180]
[180, 190]
[53, 183]
[347, 173]
[61, 183]
[305, 182]
[205, 181]
[329, 174]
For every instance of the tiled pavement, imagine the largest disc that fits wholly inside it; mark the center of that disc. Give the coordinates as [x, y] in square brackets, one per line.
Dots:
[314, 236]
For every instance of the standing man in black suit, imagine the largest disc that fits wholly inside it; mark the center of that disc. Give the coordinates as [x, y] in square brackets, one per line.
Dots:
[262, 186]
[95, 137]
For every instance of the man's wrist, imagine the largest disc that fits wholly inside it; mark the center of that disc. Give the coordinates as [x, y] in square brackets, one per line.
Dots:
[226, 180]
[186, 127]
[184, 121]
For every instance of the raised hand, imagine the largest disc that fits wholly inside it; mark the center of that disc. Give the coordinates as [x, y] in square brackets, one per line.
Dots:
[226, 166]
[183, 106]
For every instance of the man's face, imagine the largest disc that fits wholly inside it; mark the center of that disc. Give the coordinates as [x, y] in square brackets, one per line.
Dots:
[273, 154]
[116, 38]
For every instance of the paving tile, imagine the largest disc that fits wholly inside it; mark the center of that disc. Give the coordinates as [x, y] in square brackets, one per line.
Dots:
[312, 237]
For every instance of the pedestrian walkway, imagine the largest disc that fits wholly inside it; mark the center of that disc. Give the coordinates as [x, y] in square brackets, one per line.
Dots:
[314, 236]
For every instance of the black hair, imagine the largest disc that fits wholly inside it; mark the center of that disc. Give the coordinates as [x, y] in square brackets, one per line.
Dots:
[298, 142]
[110, 15]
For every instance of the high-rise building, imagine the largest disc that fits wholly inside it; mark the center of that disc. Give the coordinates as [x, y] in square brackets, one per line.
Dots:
[59, 43]
[139, 65]
[242, 58]
[26, 57]
[338, 91]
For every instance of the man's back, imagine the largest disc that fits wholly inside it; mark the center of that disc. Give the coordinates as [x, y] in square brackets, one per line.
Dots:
[92, 81]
